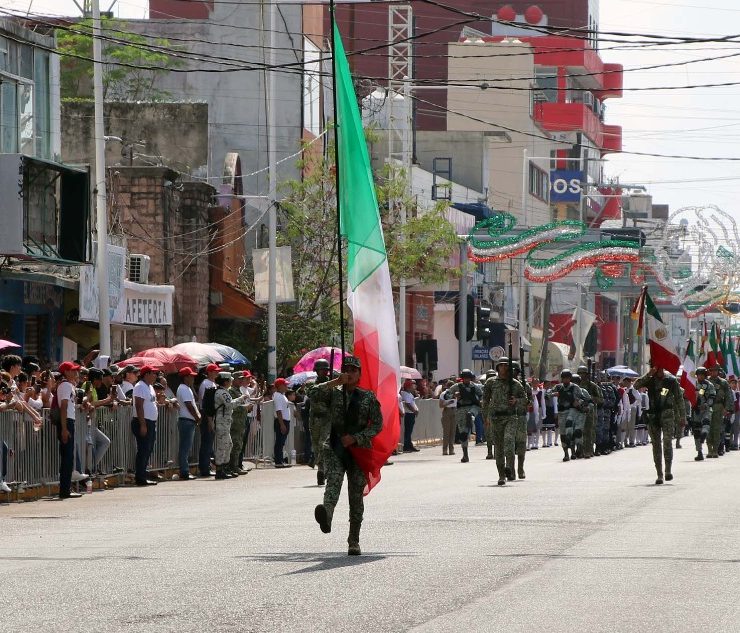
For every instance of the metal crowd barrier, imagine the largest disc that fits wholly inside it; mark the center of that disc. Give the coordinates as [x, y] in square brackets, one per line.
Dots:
[428, 425]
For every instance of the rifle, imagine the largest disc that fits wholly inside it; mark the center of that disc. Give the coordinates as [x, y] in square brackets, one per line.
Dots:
[590, 370]
[521, 363]
[510, 364]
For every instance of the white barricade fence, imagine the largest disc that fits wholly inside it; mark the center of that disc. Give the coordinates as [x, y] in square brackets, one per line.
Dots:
[428, 425]
[267, 427]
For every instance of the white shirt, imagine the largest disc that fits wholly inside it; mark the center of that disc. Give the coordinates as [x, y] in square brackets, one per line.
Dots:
[280, 401]
[147, 394]
[66, 391]
[185, 394]
[202, 389]
[408, 400]
[124, 388]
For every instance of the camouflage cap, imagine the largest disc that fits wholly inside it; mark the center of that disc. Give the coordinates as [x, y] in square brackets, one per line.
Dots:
[582, 369]
[321, 363]
[351, 361]
[504, 360]
[467, 373]
[566, 372]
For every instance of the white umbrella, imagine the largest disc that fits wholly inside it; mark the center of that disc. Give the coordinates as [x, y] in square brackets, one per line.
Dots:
[410, 373]
[623, 371]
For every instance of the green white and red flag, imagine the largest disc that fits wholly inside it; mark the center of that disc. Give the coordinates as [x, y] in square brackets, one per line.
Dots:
[702, 360]
[714, 355]
[369, 290]
[687, 378]
[662, 350]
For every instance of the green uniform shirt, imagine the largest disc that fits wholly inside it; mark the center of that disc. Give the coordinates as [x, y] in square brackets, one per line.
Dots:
[361, 417]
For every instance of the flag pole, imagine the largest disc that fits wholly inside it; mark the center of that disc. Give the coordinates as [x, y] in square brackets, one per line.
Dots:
[332, 23]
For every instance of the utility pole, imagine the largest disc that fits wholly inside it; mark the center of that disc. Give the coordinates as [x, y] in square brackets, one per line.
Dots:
[462, 312]
[101, 260]
[542, 371]
[272, 209]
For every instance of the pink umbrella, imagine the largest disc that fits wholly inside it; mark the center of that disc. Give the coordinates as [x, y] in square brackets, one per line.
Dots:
[307, 361]
[201, 352]
[140, 361]
[6, 344]
[410, 373]
[171, 360]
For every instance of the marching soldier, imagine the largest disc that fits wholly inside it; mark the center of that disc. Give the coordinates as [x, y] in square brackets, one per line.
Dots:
[665, 413]
[569, 397]
[502, 397]
[241, 410]
[489, 429]
[468, 395]
[723, 401]
[520, 441]
[354, 418]
[580, 413]
[597, 400]
[701, 414]
[318, 421]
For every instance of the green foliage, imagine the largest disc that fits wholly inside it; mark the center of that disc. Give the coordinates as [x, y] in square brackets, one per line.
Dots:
[133, 82]
[418, 250]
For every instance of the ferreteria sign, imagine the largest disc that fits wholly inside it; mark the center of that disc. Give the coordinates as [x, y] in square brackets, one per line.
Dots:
[148, 305]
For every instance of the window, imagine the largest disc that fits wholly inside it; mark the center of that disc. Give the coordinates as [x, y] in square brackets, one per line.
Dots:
[311, 87]
[42, 106]
[25, 105]
[539, 182]
[8, 117]
[547, 81]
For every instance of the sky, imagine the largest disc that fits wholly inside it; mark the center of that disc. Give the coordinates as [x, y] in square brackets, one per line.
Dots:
[700, 121]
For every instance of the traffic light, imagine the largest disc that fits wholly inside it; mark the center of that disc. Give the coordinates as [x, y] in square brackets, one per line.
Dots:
[483, 325]
[470, 322]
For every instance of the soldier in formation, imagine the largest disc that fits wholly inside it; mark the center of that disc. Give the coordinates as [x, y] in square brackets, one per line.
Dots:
[318, 420]
[354, 418]
[701, 413]
[723, 402]
[665, 412]
[570, 401]
[239, 414]
[468, 395]
[522, 409]
[503, 396]
[597, 400]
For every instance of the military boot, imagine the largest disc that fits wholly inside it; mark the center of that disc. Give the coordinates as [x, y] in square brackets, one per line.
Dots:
[566, 458]
[489, 455]
[509, 470]
[221, 473]
[659, 480]
[668, 473]
[320, 479]
[699, 456]
[323, 518]
[353, 540]
[465, 458]
[520, 464]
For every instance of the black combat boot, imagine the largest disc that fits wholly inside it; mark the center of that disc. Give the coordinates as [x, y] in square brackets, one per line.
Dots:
[353, 540]
[323, 518]
[668, 473]
[320, 479]
[221, 473]
[465, 458]
[520, 464]
[699, 456]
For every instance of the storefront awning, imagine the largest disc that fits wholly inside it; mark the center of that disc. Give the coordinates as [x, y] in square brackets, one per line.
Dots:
[236, 305]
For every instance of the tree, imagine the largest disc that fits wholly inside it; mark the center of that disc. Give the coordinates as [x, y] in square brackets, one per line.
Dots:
[132, 82]
[419, 251]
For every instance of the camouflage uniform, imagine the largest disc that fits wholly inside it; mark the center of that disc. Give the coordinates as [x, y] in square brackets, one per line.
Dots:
[224, 409]
[318, 424]
[570, 419]
[520, 438]
[723, 401]
[665, 413]
[701, 413]
[238, 426]
[468, 406]
[362, 420]
[589, 428]
[502, 420]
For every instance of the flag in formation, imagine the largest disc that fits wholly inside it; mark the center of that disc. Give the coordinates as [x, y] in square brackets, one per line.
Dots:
[369, 292]
[688, 374]
[662, 351]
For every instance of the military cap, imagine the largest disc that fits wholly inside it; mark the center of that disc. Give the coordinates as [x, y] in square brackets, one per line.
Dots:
[702, 370]
[321, 363]
[566, 372]
[466, 373]
[582, 369]
[225, 375]
[515, 365]
[504, 360]
[237, 374]
[95, 373]
[490, 373]
[351, 361]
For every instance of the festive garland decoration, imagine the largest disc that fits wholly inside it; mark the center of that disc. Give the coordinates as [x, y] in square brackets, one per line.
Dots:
[703, 280]
[608, 257]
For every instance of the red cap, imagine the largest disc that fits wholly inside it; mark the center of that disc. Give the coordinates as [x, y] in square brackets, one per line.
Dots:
[187, 371]
[212, 367]
[280, 381]
[147, 369]
[68, 365]
[408, 382]
[246, 374]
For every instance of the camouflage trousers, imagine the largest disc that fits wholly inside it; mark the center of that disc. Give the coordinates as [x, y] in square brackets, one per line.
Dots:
[319, 428]
[238, 426]
[335, 469]
[464, 420]
[661, 431]
[603, 432]
[700, 430]
[716, 427]
[504, 429]
[520, 434]
[223, 447]
[589, 431]
[571, 423]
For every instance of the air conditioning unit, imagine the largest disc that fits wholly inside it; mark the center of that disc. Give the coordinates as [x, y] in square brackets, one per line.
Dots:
[138, 268]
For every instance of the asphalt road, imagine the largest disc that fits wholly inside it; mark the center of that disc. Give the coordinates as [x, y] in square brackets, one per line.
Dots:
[583, 546]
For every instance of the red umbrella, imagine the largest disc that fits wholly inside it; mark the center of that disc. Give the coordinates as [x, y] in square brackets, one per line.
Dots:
[170, 360]
[140, 361]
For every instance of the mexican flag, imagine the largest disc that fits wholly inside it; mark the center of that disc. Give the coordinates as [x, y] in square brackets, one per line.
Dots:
[733, 367]
[369, 292]
[703, 346]
[714, 355]
[688, 374]
[662, 351]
